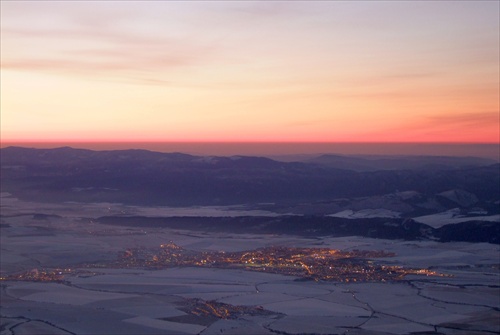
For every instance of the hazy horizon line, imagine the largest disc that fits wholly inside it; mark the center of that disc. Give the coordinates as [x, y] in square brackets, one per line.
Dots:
[273, 149]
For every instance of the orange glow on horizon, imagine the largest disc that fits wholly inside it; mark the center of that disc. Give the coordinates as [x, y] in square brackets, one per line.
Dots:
[282, 72]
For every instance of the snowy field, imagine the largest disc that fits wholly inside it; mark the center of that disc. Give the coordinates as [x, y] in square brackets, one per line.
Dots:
[453, 216]
[139, 301]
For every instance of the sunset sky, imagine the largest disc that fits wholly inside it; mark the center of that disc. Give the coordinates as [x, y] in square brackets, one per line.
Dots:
[331, 71]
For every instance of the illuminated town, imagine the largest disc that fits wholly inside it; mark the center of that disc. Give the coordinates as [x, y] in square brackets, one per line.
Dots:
[307, 263]
[212, 310]
[48, 275]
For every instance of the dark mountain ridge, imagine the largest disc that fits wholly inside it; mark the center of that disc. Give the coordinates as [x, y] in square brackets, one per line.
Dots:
[152, 178]
[141, 177]
[317, 226]
[373, 163]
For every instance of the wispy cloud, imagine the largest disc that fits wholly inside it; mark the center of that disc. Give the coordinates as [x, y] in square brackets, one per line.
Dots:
[105, 52]
[86, 33]
[464, 119]
[110, 42]
[264, 9]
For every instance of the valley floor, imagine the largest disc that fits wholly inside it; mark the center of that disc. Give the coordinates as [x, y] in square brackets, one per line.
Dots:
[195, 300]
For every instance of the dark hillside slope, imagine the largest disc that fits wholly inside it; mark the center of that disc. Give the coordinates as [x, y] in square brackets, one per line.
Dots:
[317, 226]
[152, 178]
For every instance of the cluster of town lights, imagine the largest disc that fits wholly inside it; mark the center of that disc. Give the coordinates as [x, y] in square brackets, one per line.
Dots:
[311, 263]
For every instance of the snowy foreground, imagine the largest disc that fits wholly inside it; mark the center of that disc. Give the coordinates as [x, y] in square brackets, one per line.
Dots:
[140, 301]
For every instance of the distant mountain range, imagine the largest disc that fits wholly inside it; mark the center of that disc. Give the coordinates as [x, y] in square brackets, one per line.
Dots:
[151, 178]
[328, 195]
[374, 163]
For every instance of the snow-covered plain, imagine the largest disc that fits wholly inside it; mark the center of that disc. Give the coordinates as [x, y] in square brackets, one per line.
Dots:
[146, 301]
[453, 216]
